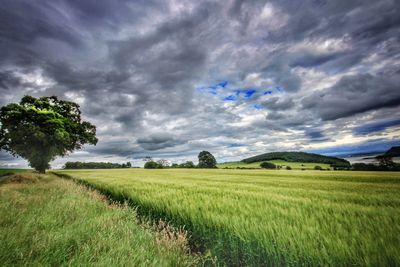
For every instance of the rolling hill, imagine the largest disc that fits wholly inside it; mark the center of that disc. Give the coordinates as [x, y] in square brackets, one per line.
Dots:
[299, 157]
[393, 152]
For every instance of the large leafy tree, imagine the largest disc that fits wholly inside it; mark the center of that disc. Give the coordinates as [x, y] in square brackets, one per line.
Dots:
[206, 160]
[39, 129]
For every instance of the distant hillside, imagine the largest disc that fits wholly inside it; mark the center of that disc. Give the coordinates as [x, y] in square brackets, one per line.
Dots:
[299, 157]
[393, 152]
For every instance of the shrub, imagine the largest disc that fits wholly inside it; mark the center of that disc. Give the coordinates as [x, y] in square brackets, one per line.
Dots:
[267, 165]
[318, 168]
[288, 168]
[152, 165]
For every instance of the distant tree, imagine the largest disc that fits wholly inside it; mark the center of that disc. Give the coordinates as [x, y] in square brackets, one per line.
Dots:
[288, 168]
[148, 158]
[317, 167]
[206, 160]
[40, 129]
[189, 164]
[128, 165]
[374, 167]
[152, 165]
[163, 162]
[386, 162]
[267, 165]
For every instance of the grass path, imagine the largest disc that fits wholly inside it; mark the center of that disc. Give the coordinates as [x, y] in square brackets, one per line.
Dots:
[48, 221]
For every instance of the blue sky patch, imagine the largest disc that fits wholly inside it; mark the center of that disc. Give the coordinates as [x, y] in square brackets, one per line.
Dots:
[230, 98]
[249, 92]
[213, 89]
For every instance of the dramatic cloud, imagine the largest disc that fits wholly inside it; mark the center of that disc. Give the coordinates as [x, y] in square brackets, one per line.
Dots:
[171, 78]
[376, 127]
[355, 94]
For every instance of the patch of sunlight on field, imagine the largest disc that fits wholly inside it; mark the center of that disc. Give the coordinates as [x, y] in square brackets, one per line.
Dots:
[270, 217]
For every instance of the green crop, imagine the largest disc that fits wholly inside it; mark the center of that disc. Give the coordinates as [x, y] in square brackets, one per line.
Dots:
[274, 217]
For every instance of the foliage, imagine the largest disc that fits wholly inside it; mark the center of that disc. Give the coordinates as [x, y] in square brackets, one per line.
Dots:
[163, 163]
[54, 222]
[39, 129]
[270, 218]
[288, 168]
[374, 167]
[318, 168]
[152, 165]
[95, 165]
[187, 164]
[267, 165]
[206, 160]
[299, 157]
[386, 162]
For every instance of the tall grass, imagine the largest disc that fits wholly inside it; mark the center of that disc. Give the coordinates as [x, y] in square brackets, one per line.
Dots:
[46, 221]
[274, 218]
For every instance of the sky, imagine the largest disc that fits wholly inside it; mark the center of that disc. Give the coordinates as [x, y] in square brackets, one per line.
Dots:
[168, 79]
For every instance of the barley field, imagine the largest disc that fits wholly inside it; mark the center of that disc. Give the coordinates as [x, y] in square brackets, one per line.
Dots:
[269, 217]
[48, 221]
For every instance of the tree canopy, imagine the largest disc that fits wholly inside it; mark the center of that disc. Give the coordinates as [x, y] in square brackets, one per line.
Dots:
[206, 160]
[40, 129]
[152, 165]
[95, 165]
[267, 165]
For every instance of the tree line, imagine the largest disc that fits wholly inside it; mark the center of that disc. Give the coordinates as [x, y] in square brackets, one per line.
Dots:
[95, 165]
[206, 160]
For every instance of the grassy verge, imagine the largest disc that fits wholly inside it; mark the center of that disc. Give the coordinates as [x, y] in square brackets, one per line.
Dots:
[273, 218]
[48, 221]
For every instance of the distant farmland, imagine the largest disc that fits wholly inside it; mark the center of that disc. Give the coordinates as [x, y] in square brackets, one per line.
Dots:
[293, 165]
[259, 217]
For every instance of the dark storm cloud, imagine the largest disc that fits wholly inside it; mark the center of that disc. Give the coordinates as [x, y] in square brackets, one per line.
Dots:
[24, 21]
[157, 141]
[8, 80]
[355, 94]
[315, 135]
[276, 103]
[376, 126]
[134, 67]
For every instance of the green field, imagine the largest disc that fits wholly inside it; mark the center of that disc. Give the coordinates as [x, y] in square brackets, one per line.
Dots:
[9, 171]
[270, 217]
[48, 221]
[293, 165]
